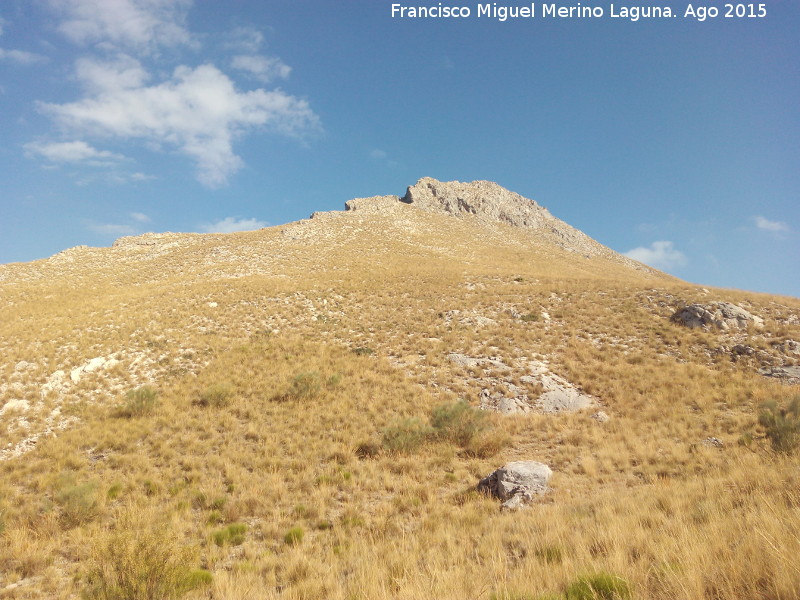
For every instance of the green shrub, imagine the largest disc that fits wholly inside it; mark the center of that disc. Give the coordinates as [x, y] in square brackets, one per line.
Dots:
[530, 317]
[79, 503]
[363, 351]
[139, 402]
[216, 396]
[458, 423]
[600, 586]
[294, 536]
[406, 436]
[114, 491]
[136, 565]
[782, 424]
[233, 534]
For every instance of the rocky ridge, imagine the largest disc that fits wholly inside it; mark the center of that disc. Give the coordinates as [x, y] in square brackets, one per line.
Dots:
[490, 202]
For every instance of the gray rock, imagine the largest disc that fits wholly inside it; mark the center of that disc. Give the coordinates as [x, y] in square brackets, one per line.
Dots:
[601, 417]
[712, 442]
[722, 315]
[789, 374]
[517, 483]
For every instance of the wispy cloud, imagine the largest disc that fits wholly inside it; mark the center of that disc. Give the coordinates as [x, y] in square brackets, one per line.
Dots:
[140, 217]
[263, 68]
[141, 25]
[767, 225]
[660, 255]
[21, 57]
[231, 224]
[72, 152]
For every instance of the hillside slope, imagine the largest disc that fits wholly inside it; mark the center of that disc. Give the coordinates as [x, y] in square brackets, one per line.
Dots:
[301, 417]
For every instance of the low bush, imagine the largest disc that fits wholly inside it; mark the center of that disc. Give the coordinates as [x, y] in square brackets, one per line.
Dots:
[458, 423]
[782, 424]
[294, 536]
[139, 402]
[233, 535]
[135, 565]
[406, 436]
[599, 586]
[79, 503]
[216, 396]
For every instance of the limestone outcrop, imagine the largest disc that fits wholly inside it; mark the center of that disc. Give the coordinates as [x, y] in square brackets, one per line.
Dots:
[722, 315]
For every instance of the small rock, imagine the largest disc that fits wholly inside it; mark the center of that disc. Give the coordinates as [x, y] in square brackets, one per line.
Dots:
[712, 442]
[601, 416]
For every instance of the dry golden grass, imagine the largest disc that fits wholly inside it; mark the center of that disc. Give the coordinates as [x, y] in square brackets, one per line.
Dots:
[280, 357]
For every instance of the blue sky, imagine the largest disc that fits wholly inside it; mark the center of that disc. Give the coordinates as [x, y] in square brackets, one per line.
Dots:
[674, 140]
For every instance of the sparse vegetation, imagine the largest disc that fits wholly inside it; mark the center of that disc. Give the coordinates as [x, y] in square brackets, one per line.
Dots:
[233, 535]
[599, 586]
[782, 424]
[378, 454]
[216, 396]
[294, 536]
[142, 565]
[139, 402]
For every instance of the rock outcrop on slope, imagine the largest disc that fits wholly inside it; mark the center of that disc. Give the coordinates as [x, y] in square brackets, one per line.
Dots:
[722, 315]
[517, 483]
[492, 203]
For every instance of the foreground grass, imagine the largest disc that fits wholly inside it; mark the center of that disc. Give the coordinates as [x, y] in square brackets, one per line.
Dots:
[258, 462]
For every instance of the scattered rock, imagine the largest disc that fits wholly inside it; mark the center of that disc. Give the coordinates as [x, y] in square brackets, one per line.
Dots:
[560, 395]
[742, 350]
[788, 347]
[722, 315]
[789, 375]
[469, 362]
[712, 442]
[517, 483]
[15, 405]
[56, 382]
[601, 417]
[91, 366]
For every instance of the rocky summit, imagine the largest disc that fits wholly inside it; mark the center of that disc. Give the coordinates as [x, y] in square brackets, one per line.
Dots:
[261, 414]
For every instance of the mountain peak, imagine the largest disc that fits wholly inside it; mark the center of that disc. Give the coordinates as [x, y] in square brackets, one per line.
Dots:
[490, 202]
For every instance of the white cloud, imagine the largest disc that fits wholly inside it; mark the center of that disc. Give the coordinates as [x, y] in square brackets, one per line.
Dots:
[140, 217]
[111, 229]
[121, 73]
[245, 39]
[377, 154]
[263, 68]
[660, 255]
[198, 110]
[231, 224]
[72, 152]
[143, 25]
[141, 177]
[21, 56]
[767, 225]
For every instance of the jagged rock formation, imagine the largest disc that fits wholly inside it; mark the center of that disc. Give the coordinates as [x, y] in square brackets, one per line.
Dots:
[490, 202]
